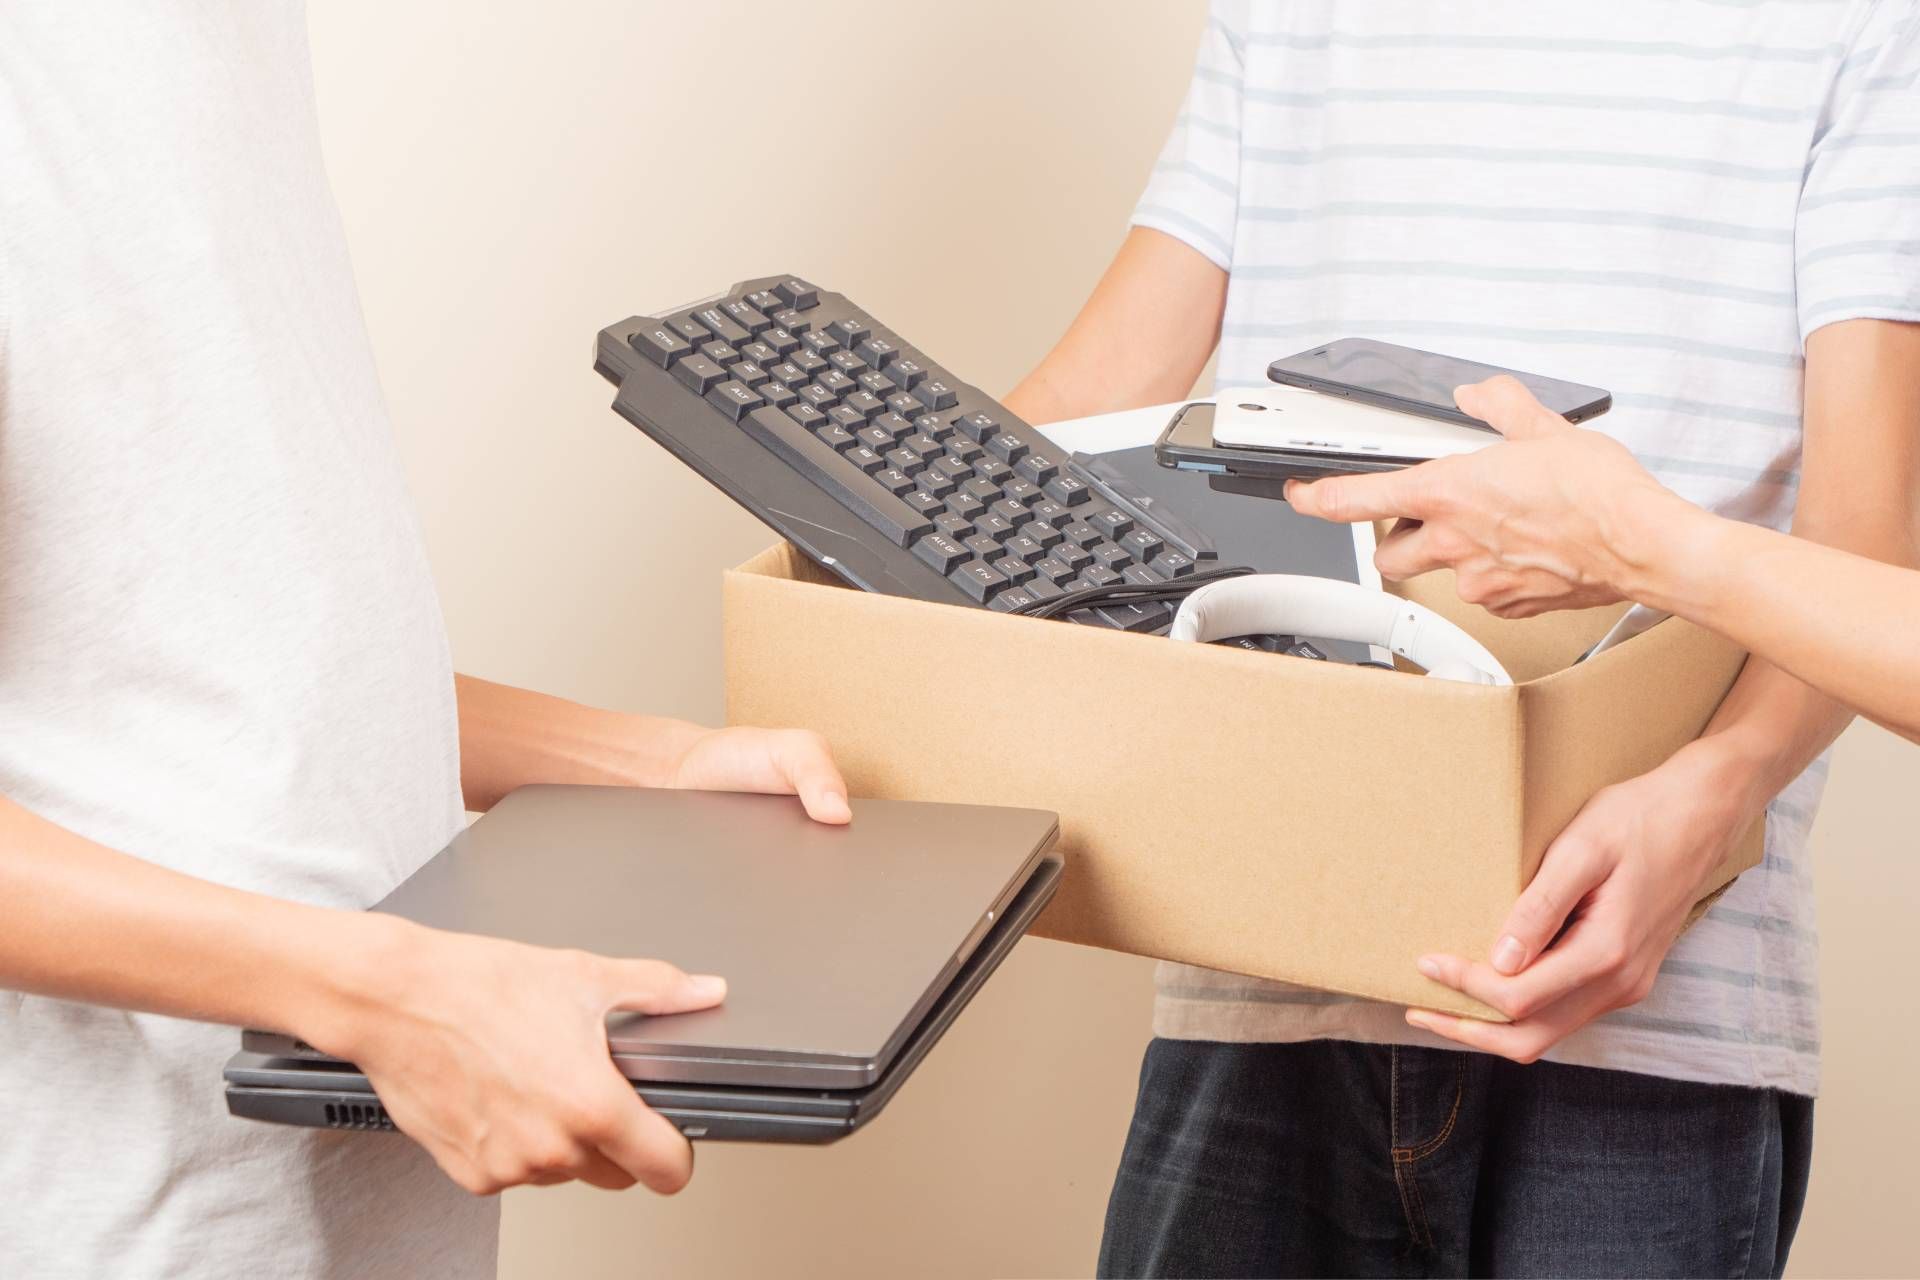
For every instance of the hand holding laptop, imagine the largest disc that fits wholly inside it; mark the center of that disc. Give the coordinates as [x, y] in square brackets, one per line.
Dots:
[493, 1055]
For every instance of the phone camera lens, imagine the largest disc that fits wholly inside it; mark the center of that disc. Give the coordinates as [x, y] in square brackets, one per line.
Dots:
[1255, 408]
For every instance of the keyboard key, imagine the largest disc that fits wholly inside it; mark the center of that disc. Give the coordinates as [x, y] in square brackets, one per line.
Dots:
[1134, 617]
[817, 396]
[1110, 555]
[907, 372]
[965, 451]
[894, 425]
[936, 395]
[1143, 543]
[995, 526]
[956, 471]
[750, 373]
[836, 383]
[820, 342]
[848, 363]
[851, 331]
[836, 437]
[988, 467]
[874, 438]
[690, 329]
[926, 448]
[746, 315]
[906, 463]
[894, 482]
[1051, 569]
[955, 527]
[792, 321]
[1014, 599]
[1006, 446]
[1041, 589]
[699, 374]
[942, 552]
[1014, 570]
[965, 504]
[766, 300]
[1051, 513]
[797, 294]
[935, 483]
[1068, 490]
[846, 418]
[983, 545]
[1025, 549]
[846, 483]
[865, 459]
[1075, 558]
[778, 394]
[877, 382]
[1141, 576]
[906, 406]
[761, 354]
[789, 372]
[1037, 467]
[1115, 524]
[919, 500]
[977, 426]
[981, 582]
[1082, 534]
[1097, 576]
[806, 415]
[810, 363]
[722, 325]
[1044, 534]
[780, 340]
[877, 351]
[719, 352]
[737, 400]
[1024, 492]
[984, 490]
[660, 344]
[864, 403]
[1010, 511]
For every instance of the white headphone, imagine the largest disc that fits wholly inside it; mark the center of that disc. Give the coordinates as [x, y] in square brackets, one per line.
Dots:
[1286, 604]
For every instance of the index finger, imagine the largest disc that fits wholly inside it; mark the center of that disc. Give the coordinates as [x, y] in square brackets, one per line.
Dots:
[1351, 499]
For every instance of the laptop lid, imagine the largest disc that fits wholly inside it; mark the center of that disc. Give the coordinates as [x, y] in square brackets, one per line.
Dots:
[834, 941]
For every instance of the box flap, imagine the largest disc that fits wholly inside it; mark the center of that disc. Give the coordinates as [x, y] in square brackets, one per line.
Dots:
[1528, 648]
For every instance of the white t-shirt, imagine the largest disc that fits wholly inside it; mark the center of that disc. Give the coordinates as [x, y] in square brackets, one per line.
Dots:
[220, 649]
[1660, 197]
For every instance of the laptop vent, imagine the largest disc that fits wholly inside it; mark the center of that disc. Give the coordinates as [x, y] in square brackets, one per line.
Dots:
[356, 1115]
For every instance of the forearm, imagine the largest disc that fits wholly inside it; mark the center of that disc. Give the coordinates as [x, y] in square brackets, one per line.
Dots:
[509, 737]
[81, 921]
[1142, 338]
[1839, 622]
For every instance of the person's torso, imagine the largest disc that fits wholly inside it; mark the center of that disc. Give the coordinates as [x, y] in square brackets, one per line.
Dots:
[220, 648]
[1601, 193]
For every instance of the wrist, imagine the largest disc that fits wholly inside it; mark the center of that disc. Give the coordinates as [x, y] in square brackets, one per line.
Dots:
[1653, 540]
[361, 967]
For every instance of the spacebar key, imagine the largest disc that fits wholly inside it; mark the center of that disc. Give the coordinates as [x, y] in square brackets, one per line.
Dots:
[859, 492]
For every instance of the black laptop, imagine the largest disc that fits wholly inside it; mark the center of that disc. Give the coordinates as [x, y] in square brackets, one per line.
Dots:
[848, 951]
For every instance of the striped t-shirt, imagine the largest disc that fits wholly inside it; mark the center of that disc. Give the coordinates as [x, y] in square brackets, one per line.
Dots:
[1660, 197]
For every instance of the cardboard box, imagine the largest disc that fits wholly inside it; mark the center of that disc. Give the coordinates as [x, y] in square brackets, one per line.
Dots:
[1312, 822]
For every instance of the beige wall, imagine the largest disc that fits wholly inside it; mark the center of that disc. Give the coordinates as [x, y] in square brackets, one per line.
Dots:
[514, 176]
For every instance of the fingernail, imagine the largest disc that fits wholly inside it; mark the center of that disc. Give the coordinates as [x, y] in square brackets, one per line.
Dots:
[1429, 966]
[706, 986]
[1509, 955]
[1415, 1018]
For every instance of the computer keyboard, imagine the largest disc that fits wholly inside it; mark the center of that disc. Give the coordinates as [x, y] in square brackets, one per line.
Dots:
[873, 459]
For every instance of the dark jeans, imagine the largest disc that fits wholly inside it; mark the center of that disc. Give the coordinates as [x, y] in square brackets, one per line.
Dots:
[1334, 1159]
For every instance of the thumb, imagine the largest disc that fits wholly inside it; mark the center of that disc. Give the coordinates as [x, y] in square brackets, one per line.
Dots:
[653, 986]
[1571, 868]
[1504, 403]
[806, 762]
[1351, 499]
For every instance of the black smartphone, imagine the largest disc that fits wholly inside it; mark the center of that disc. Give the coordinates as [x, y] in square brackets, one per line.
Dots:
[1420, 382]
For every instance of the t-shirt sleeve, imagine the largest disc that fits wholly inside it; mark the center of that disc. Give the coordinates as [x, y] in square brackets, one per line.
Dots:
[1857, 239]
[1194, 193]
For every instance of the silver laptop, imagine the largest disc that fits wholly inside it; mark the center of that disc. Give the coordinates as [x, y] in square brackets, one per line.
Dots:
[847, 950]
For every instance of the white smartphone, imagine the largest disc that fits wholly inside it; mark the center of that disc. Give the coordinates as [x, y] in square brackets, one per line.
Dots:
[1298, 421]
